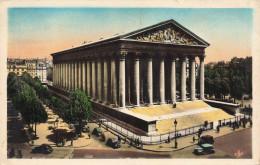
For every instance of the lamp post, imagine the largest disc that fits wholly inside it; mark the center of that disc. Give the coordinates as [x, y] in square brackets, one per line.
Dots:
[57, 120]
[175, 124]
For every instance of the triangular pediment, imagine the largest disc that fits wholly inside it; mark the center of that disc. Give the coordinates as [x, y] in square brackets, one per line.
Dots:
[166, 32]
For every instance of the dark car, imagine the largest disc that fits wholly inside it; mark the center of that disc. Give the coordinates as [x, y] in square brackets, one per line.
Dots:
[85, 128]
[206, 139]
[44, 149]
[204, 149]
[114, 143]
[97, 131]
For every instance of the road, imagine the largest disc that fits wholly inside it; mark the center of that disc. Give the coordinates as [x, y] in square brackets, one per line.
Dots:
[238, 144]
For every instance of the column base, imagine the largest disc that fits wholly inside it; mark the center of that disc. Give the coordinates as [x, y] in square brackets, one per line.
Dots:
[161, 103]
[183, 100]
[149, 104]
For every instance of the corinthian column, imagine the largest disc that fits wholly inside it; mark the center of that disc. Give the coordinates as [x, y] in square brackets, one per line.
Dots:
[122, 81]
[192, 79]
[80, 75]
[161, 82]
[150, 80]
[136, 82]
[76, 75]
[58, 75]
[69, 76]
[202, 78]
[113, 81]
[105, 82]
[53, 74]
[63, 75]
[89, 78]
[73, 76]
[99, 78]
[93, 80]
[173, 80]
[84, 76]
[183, 79]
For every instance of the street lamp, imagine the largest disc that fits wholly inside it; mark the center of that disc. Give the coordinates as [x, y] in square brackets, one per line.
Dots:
[57, 120]
[175, 124]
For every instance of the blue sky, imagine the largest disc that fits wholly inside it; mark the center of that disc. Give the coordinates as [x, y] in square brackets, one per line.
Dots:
[38, 32]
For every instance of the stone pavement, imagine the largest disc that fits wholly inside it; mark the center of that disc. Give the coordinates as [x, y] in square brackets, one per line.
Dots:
[187, 141]
[94, 142]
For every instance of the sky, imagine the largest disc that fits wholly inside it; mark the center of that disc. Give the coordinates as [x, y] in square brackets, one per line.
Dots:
[38, 32]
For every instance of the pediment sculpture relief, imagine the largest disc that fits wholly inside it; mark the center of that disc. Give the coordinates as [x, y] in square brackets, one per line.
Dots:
[166, 35]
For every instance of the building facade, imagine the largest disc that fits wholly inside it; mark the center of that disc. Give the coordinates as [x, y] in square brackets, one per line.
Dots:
[41, 72]
[16, 67]
[134, 69]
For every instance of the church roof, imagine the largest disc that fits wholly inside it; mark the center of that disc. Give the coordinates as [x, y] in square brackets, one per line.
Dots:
[167, 32]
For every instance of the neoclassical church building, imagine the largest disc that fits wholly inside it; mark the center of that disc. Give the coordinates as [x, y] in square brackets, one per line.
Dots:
[126, 76]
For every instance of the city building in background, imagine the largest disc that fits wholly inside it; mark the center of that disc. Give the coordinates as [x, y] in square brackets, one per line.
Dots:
[41, 68]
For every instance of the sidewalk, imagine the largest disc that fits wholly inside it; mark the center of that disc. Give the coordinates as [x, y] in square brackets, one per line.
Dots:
[185, 142]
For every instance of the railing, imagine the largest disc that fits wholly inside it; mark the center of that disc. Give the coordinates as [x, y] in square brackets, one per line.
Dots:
[230, 121]
[152, 139]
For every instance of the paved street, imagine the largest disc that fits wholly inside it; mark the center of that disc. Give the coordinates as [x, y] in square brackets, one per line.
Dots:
[112, 154]
[94, 148]
[238, 144]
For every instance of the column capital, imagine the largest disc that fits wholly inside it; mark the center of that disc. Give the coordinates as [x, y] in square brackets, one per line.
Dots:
[121, 55]
[137, 55]
[171, 57]
[202, 58]
[182, 58]
[191, 58]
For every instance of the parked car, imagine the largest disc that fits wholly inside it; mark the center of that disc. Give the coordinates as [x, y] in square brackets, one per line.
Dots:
[97, 131]
[44, 149]
[85, 128]
[204, 149]
[114, 143]
[206, 139]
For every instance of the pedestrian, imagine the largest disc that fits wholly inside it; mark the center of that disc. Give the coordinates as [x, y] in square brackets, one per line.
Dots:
[89, 135]
[234, 127]
[218, 128]
[193, 139]
[251, 123]
[119, 138]
[168, 139]
[19, 153]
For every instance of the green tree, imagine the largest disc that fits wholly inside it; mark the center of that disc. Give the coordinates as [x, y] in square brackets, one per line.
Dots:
[224, 87]
[237, 87]
[25, 99]
[79, 108]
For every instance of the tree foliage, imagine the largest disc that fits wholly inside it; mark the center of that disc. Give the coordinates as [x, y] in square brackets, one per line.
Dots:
[79, 107]
[25, 99]
[224, 78]
[36, 84]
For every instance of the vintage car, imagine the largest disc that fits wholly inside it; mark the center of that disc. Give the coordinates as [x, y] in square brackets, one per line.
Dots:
[114, 143]
[63, 137]
[44, 149]
[206, 139]
[204, 149]
[85, 128]
[97, 131]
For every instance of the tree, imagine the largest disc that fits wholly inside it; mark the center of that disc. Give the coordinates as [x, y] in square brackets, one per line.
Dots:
[25, 99]
[237, 87]
[224, 87]
[79, 108]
